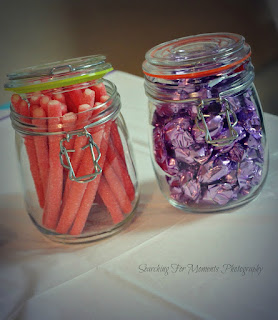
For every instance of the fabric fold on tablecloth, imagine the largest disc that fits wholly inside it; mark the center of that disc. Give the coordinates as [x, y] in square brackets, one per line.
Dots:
[100, 295]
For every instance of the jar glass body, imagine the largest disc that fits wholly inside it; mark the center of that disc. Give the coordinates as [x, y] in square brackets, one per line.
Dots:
[77, 169]
[207, 139]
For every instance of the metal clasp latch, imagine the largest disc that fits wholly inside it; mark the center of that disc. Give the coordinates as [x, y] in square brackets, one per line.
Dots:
[229, 112]
[91, 144]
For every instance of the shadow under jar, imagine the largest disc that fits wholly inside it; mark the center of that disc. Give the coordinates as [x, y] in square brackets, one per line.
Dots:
[207, 135]
[72, 144]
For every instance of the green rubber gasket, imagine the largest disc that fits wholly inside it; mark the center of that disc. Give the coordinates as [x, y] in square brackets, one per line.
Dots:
[59, 83]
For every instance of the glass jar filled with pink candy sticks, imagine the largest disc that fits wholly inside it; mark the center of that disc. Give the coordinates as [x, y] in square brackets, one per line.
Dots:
[76, 164]
[207, 134]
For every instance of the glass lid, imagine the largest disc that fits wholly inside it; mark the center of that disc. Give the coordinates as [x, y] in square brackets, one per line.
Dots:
[196, 56]
[58, 74]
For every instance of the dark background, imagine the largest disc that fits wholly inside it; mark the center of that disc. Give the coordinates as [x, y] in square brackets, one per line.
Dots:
[35, 32]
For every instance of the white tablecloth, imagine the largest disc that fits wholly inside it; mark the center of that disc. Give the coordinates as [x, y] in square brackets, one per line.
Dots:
[166, 264]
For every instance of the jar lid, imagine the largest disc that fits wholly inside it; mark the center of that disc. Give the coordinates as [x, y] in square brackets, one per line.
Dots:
[58, 74]
[196, 56]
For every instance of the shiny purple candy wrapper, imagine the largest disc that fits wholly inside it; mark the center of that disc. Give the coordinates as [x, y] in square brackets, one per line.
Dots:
[203, 174]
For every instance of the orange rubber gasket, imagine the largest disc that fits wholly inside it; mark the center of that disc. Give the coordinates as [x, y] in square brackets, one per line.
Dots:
[200, 73]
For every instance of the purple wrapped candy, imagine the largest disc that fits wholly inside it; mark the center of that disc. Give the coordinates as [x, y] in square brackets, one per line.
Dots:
[252, 142]
[177, 133]
[184, 155]
[249, 176]
[236, 153]
[260, 153]
[186, 175]
[253, 126]
[186, 87]
[164, 110]
[166, 163]
[246, 171]
[182, 176]
[219, 194]
[248, 104]
[245, 191]
[235, 103]
[252, 154]
[214, 170]
[192, 111]
[236, 193]
[243, 115]
[191, 190]
[214, 124]
[171, 166]
[157, 121]
[203, 93]
[257, 177]
[160, 152]
[226, 134]
[231, 177]
[195, 153]
[173, 181]
[175, 187]
[201, 153]
[176, 193]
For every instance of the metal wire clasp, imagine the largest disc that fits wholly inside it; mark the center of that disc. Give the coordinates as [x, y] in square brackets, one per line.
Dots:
[233, 135]
[95, 156]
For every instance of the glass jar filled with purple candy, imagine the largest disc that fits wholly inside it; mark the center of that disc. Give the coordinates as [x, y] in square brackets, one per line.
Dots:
[207, 134]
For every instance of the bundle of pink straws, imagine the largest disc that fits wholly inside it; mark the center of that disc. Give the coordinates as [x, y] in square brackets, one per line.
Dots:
[66, 204]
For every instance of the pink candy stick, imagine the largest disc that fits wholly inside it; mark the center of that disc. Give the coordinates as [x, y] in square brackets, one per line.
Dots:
[35, 98]
[90, 193]
[104, 98]
[64, 108]
[78, 143]
[23, 109]
[41, 145]
[15, 100]
[31, 152]
[69, 103]
[32, 108]
[119, 165]
[117, 142]
[34, 168]
[59, 97]
[88, 97]
[84, 114]
[120, 169]
[100, 90]
[44, 103]
[110, 200]
[97, 108]
[76, 97]
[55, 177]
[112, 179]
[117, 187]
[69, 121]
[76, 191]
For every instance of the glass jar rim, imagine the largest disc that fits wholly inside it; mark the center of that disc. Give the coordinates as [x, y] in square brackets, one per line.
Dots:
[196, 56]
[58, 74]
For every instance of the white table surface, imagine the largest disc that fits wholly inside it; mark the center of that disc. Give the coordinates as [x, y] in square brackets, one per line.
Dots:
[108, 279]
